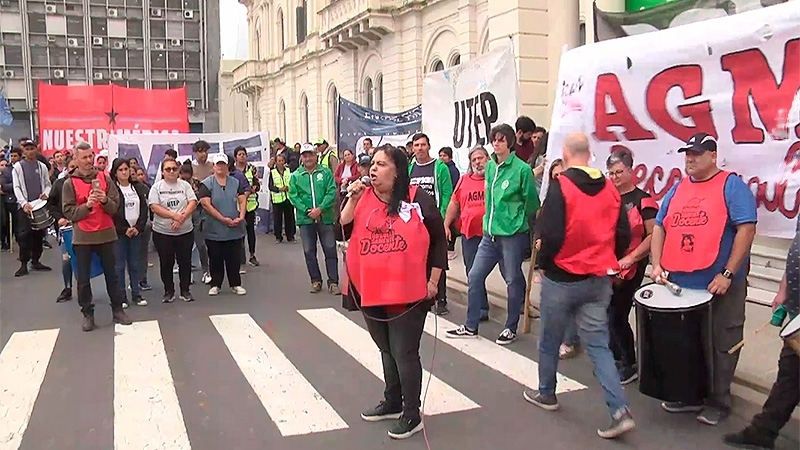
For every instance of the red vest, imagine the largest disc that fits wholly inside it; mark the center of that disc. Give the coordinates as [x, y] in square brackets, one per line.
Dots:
[590, 234]
[470, 192]
[694, 224]
[387, 257]
[97, 219]
[638, 233]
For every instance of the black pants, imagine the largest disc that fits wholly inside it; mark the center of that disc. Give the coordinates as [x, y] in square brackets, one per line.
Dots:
[171, 249]
[622, 343]
[5, 224]
[783, 397]
[250, 225]
[398, 340]
[283, 218]
[223, 256]
[83, 263]
[30, 241]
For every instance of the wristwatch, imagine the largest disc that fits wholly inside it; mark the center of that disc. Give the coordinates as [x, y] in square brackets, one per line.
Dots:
[727, 274]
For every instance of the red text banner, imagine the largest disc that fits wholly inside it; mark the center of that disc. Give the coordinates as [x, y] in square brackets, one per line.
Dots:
[736, 78]
[70, 114]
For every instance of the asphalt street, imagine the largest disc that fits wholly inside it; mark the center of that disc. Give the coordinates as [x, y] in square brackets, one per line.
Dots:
[277, 368]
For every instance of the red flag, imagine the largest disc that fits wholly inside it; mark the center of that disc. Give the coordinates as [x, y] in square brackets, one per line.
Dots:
[69, 114]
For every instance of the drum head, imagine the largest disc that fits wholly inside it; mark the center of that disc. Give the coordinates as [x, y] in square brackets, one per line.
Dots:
[38, 204]
[657, 296]
[790, 328]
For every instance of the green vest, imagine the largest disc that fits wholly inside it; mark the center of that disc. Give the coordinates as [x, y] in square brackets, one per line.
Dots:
[325, 158]
[280, 181]
[252, 199]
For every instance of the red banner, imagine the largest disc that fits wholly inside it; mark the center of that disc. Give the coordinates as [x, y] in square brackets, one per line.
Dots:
[70, 114]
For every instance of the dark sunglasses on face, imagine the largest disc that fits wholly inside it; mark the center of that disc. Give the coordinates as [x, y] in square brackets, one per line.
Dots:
[170, 169]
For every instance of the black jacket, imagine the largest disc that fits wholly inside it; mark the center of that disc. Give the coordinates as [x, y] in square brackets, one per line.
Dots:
[120, 223]
[54, 201]
[552, 222]
[7, 183]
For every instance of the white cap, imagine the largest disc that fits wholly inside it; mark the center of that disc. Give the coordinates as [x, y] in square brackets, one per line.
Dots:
[307, 147]
[219, 158]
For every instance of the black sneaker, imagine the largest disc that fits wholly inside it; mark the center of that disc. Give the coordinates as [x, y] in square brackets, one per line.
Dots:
[168, 298]
[680, 407]
[462, 332]
[187, 296]
[64, 296]
[548, 402]
[144, 286]
[749, 438]
[39, 267]
[621, 423]
[440, 309]
[405, 428]
[627, 375]
[506, 337]
[22, 271]
[254, 261]
[382, 412]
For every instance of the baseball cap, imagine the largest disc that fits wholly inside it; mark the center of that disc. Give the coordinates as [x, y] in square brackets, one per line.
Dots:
[320, 142]
[307, 147]
[27, 143]
[700, 143]
[217, 158]
[364, 159]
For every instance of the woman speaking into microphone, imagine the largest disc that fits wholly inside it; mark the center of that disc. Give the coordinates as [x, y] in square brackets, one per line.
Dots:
[397, 252]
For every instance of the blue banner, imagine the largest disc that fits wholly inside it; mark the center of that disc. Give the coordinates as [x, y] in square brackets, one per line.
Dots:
[355, 123]
[6, 119]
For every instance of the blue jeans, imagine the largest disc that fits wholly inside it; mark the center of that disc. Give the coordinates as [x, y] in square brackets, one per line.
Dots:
[493, 250]
[309, 235]
[571, 334]
[66, 266]
[586, 303]
[129, 255]
[469, 248]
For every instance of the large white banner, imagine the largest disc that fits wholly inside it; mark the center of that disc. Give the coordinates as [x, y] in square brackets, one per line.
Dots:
[736, 78]
[460, 105]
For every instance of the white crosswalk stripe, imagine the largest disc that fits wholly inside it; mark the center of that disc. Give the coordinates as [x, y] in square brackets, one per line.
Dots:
[147, 399]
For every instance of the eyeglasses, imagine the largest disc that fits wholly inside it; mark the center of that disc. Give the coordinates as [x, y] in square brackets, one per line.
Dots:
[170, 169]
[615, 173]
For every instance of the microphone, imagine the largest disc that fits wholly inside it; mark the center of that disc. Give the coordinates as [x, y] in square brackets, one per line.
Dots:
[365, 181]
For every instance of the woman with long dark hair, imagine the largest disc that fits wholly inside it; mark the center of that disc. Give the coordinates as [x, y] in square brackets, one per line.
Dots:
[394, 276]
[130, 221]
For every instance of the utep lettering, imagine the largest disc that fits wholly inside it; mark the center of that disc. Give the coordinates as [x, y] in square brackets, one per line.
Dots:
[474, 119]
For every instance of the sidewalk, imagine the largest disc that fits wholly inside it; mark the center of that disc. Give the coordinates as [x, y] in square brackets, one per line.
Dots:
[758, 363]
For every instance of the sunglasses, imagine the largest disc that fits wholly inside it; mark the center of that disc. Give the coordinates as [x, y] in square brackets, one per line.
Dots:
[170, 169]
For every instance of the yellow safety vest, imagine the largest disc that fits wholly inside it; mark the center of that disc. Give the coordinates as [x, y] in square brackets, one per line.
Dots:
[280, 181]
[252, 199]
[325, 158]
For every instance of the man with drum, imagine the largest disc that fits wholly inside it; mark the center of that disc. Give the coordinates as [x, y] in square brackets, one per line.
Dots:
[701, 240]
[785, 393]
[31, 187]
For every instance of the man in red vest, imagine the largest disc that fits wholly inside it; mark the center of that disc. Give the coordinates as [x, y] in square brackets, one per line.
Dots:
[701, 239]
[89, 201]
[584, 231]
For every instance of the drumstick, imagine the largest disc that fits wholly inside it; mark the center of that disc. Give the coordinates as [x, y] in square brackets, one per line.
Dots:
[736, 347]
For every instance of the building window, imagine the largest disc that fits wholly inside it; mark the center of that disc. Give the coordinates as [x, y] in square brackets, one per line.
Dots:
[379, 92]
[304, 122]
[455, 60]
[582, 32]
[333, 111]
[301, 13]
[368, 94]
[279, 30]
[282, 120]
[437, 66]
[258, 41]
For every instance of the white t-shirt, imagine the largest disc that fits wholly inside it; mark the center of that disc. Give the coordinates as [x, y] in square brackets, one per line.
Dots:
[132, 204]
[175, 197]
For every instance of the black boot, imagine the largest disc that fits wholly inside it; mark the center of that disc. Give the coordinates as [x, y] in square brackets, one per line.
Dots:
[36, 265]
[65, 295]
[22, 271]
[121, 318]
[88, 323]
[749, 438]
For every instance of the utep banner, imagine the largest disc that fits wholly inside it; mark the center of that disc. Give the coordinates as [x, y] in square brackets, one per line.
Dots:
[670, 15]
[356, 123]
[150, 149]
[736, 78]
[460, 105]
[70, 114]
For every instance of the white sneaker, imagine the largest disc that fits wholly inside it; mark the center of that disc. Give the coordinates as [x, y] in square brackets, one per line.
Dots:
[206, 278]
[242, 270]
[213, 291]
[238, 290]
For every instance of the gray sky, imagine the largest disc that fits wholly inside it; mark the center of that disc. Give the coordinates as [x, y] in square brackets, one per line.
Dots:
[233, 29]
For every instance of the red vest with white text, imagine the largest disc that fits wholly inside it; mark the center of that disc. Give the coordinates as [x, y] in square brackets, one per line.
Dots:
[387, 256]
[98, 219]
[590, 235]
[694, 224]
[638, 233]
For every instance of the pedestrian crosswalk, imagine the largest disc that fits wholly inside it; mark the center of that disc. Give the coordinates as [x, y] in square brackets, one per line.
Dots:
[149, 412]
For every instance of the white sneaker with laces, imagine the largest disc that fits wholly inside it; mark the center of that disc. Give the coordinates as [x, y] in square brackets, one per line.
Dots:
[238, 290]
[213, 291]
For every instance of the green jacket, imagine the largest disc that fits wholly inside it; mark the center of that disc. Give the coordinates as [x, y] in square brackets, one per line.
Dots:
[443, 186]
[305, 194]
[511, 197]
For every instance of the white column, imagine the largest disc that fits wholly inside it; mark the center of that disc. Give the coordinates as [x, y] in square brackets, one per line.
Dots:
[567, 16]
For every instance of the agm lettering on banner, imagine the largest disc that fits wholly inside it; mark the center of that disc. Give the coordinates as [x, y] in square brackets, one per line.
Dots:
[475, 118]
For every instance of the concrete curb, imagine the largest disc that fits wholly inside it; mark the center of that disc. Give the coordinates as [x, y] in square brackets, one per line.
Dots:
[750, 396]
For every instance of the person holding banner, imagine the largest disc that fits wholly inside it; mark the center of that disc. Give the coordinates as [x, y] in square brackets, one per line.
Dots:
[511, 199]
[89, 202]
[433, 176]
[702, 239]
